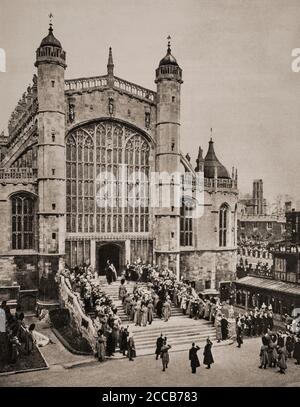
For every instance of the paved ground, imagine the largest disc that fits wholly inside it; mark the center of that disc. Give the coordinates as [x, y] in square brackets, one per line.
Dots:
[233, 367]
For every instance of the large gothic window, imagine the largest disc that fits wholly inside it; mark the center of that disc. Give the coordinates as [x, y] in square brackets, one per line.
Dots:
[223, 225]
[107, 179]
[186, 223]
[23, 222]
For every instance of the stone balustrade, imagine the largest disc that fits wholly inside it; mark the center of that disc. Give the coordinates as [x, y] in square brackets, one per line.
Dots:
[12, 174]
[83, 322]
[85, 83]
[220, 183]
[133, 89]
[82, 84]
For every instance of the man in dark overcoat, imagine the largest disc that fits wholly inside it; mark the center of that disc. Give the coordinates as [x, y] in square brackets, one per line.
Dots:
[159, 344]
[193, 357]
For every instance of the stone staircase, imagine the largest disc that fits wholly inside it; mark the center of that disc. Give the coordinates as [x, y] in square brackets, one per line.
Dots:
[180, 330]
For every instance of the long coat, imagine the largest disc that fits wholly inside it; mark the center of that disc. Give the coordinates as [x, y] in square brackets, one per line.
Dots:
[224, 328]
[264, 355]
[159, 344]
[166, 310]
[137, 314]
[282, 359]
[131, 353]
[165, 354]
[272, 352]
[193, 357]
[144, 314]
[296, 353]
[150, 312]
[100, 348]
[122, 292]
[208, 358]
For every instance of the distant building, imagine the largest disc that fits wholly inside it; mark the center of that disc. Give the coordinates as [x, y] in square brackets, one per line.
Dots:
[257, 204]
[253, 221]
[293, 224]
[279, 286]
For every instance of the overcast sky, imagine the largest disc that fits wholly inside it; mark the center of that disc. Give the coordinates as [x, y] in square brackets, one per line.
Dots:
[235, 56]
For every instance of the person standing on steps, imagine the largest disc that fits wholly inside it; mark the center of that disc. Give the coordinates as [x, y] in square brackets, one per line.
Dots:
[109, 272]
[208, 357]
[165, 358]
[193, 357]
[123, 340]
[144, 314]
[166, 309]
[150, 307]
[159, 345]
[131, 353]
[122, 291]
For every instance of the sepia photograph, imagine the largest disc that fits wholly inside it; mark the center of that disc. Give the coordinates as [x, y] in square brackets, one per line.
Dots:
[149, 196]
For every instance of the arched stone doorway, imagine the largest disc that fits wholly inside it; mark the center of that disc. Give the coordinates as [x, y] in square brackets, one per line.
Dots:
[108, 251]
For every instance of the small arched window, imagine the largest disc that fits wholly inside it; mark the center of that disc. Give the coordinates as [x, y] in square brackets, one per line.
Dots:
[23, 221]
[223, 225]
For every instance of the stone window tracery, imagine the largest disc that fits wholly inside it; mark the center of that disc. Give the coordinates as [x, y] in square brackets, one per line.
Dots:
[186, 224]
[22, 221]
[223, 225]
[100, 197]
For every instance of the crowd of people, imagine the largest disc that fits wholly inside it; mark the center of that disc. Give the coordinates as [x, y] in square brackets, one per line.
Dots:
[245, 268]
[17, 338]
[257, 322]
[162, 290]
[94, 301]
[277, 347]
[253, 244]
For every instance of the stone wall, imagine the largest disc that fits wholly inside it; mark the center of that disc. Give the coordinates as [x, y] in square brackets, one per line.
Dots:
[79, 320]
[95, 104]
[213, 266]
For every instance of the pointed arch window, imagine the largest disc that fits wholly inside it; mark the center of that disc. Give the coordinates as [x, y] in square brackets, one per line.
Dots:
[100, 198]
[186, 222]
[23, 222]
[223, 225]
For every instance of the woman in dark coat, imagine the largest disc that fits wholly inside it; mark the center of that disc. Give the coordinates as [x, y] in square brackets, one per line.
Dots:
[159, 307]
[110, 344]
[224, 328]
[239, 334]
[159, 344]
[296, 354]
[208, 358]
[290, 344]
[193, 357]
[131, 353]
[123, 340]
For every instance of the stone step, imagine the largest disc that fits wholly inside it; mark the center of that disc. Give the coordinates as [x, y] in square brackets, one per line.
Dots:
[184, 341]
[174, 328]
[180, 330]
[174, 337]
